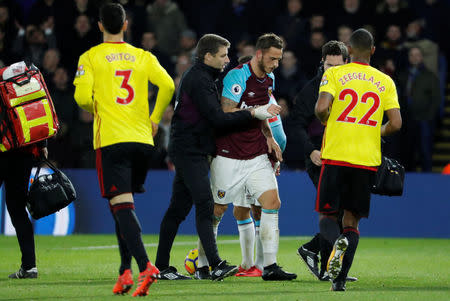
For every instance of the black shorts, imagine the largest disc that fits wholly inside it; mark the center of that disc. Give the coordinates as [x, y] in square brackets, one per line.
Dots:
[344, 187]
[122, 168]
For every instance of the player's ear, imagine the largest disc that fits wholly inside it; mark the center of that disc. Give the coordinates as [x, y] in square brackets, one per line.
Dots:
[350, 50]
[125, 26]
[372, 51]
[208, 56]
[258, 54]
[100, 26]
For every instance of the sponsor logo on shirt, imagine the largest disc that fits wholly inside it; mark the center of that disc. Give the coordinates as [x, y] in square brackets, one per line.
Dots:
[244, 105]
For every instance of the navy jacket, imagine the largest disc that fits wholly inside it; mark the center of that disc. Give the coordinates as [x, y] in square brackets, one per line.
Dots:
[198, 113]
[309, 128]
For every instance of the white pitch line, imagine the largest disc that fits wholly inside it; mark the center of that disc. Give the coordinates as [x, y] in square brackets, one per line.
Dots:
[180, 243]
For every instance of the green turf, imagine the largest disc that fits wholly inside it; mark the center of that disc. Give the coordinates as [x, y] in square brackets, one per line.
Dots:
[388, 269]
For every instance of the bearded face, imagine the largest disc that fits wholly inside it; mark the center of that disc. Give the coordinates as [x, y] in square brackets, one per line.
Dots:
[269, 59]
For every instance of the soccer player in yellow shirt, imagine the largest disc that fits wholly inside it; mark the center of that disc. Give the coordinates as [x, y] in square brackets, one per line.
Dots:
[112, 83]
[352, 101]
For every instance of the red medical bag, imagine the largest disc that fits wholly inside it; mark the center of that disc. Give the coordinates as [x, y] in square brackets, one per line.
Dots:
[27, 114]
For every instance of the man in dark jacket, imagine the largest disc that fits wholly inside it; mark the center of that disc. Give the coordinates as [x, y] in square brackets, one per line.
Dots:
[192, 141]
[420, 95]
[15, 169]
[310, 131]
[15, 166]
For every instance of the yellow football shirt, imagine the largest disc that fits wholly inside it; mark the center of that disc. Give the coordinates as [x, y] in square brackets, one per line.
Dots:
[361, 95]
[112, 82]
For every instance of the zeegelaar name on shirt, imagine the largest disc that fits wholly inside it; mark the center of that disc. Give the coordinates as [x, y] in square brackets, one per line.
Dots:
[361, 76]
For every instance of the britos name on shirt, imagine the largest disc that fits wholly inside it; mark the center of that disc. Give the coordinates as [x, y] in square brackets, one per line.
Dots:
[120, 57]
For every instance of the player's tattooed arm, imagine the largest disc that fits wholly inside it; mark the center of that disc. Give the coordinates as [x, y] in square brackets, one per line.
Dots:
[228, 105]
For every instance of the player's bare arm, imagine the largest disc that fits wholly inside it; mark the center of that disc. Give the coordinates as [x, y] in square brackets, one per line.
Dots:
[229, 105]
[323, 104]
[266, 111]
[274, 109]
[394, 122]
[266, 130]
[271, 143]
[155, 127]
[315, 157]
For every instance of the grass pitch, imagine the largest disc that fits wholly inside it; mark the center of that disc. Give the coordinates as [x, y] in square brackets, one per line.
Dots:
[84, 267]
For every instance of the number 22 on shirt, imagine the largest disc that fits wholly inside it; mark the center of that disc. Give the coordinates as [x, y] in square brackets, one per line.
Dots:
[126, 74]
[365, 120]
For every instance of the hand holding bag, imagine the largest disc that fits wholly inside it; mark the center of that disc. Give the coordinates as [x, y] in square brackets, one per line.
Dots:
[389, 179]
[49, 193]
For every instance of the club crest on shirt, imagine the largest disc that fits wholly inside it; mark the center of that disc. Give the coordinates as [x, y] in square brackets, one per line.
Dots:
[324, 81]
[269, 91]
[80, 71]
[236, 89]
[221, 194]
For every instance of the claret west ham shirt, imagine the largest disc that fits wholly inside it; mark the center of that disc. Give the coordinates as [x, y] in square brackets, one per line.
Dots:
[247, 90]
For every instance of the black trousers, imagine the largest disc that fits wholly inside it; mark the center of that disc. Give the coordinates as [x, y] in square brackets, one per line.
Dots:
[313, 171]
[15, 168]
[191, 186]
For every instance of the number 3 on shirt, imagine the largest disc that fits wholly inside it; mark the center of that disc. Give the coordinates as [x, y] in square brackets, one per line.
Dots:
[365, 120]
[125, 85]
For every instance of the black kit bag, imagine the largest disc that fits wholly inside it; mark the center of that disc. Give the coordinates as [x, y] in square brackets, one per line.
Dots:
[389, 179]
[49, 193]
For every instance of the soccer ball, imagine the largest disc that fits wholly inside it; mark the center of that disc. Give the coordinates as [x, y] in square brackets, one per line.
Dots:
[191, 261]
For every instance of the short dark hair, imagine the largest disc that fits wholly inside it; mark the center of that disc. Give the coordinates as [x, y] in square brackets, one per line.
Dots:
[112, 17]
[244, 59]
[361, 40]
[334, 47]
[210, 43]
[268, 40]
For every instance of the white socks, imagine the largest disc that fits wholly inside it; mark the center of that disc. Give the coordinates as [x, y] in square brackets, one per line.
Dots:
[267, 240]
[269, 234]
[202, 260]
[247, 240]
[259, 255]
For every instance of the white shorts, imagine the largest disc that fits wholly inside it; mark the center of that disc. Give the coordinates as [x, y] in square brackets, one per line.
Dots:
[249, 200]
[241, 182]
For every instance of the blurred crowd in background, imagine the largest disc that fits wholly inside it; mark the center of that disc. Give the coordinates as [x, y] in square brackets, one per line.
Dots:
[412, 46]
